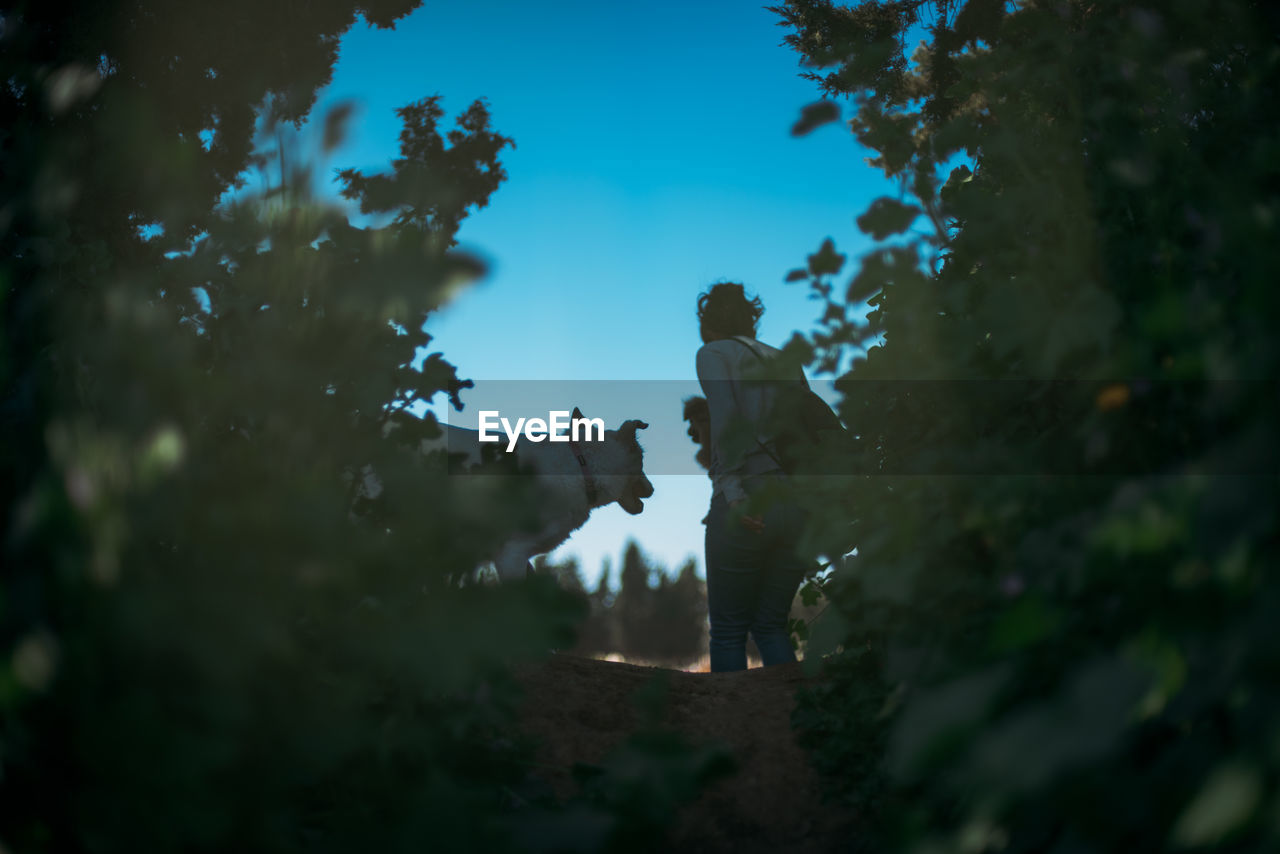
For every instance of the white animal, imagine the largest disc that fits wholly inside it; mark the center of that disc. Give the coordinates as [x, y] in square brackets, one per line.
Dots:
[571, 480]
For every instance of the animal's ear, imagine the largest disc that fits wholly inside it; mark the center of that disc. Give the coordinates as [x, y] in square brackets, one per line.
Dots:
[577, 414]
[629, 428]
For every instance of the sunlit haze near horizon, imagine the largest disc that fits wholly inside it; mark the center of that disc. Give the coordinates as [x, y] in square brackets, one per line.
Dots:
[653, 157]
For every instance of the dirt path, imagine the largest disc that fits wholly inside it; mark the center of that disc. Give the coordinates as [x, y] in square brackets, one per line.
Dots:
[580, 709]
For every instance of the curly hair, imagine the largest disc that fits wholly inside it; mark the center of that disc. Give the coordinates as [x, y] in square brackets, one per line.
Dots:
[696, 409]
[726, 309]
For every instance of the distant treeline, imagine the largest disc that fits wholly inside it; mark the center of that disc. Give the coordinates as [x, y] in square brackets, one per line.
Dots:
[650, 615]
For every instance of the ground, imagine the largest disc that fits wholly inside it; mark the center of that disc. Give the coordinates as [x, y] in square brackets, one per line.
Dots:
[580, 708]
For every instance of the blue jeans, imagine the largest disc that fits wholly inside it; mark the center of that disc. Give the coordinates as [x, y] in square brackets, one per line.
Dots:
[752, 578]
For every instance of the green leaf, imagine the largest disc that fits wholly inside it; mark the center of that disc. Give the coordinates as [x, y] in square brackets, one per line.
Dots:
[959, 175]
[1027, 622]
[1225, 802]
[886, 217]
[335, 124]
[814, 116]
[827, 634]
[933, 717]
[826, 261]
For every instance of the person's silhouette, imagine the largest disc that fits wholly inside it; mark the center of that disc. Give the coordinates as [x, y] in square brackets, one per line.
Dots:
[753, 569]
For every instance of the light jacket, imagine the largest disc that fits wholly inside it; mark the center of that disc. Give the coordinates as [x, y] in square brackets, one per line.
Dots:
[722, 366]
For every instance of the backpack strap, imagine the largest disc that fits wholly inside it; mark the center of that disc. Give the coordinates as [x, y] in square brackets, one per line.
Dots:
[741, 340]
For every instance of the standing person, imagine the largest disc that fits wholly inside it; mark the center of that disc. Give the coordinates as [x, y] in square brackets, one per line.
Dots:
[753, 569]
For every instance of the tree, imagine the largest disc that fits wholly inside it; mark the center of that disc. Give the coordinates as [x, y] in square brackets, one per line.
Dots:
[1062, 643]
[659, 618]
[682, 621]
[206, 652]
[634, 605]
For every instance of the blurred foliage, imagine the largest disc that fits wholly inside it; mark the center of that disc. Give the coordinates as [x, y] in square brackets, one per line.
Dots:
[201, 648]
[644, 781]
[1039, 660]
[629, 798]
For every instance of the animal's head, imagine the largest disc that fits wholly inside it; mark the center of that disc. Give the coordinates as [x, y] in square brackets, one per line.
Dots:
[617, 466]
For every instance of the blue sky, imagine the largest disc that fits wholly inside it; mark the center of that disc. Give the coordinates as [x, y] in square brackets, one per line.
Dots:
[653, 157]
